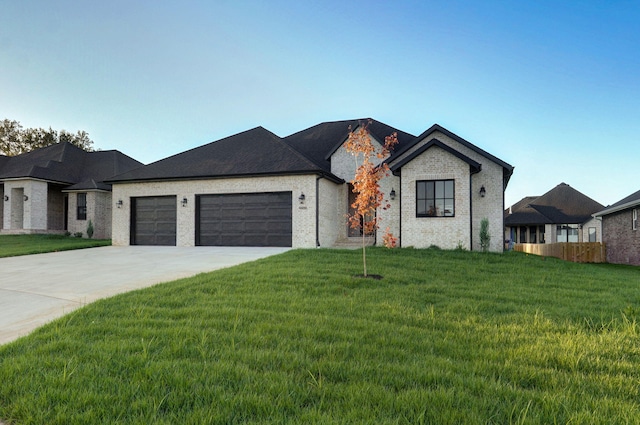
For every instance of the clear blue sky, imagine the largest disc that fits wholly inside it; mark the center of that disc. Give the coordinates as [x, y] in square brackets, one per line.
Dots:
[551, 87]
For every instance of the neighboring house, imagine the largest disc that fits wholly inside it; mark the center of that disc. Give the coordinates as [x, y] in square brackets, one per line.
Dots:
[59, 188]
[563, 214]
[621, 230]
[255, 188]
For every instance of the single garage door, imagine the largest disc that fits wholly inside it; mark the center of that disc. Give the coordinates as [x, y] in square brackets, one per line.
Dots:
[153, 220]
[248, 219]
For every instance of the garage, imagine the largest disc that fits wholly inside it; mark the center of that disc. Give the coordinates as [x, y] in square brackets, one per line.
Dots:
[153, 220]
[247, 219]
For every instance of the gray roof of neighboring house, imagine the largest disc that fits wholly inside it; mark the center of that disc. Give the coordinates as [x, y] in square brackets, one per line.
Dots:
[561, 205]
[67, 164]
[630, 201]
[260, 152]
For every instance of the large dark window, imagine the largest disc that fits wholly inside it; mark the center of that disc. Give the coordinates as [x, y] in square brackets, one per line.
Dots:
[82, 206]
[435, 198]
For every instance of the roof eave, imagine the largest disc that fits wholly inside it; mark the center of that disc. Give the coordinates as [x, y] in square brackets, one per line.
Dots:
[324, 174]
[618, 208]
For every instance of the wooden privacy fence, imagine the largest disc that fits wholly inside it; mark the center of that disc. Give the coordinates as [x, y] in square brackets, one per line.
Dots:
[578, 252]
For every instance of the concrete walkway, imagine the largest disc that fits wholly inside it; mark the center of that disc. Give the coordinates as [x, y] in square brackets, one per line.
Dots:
[34, 289]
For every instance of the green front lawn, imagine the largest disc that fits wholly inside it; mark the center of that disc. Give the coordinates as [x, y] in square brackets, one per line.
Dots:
[13, 245]
[447, 337]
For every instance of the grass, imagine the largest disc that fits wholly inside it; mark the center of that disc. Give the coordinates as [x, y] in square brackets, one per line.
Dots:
[447, 337]
[13, 245]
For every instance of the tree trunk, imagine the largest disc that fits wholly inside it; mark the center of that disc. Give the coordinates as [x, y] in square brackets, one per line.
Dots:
[364, 253]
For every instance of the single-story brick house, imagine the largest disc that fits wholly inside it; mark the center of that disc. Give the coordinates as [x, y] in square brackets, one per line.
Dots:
[621, 230]
[563, 214]
[257, 189]
[59, 188]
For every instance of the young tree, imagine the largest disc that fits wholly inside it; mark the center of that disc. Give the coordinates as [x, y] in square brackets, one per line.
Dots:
[366, 184]
[485, 237]
[15, 140]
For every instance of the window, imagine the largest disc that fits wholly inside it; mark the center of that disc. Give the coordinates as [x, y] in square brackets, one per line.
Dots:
[567, 233]
[82, 206]
[592, 234]
[523, 234]
[435, 198]
[634, 221]
[532, 234]
[541, 233]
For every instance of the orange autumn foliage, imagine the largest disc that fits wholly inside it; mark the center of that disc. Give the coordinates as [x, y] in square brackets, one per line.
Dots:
[366, 182]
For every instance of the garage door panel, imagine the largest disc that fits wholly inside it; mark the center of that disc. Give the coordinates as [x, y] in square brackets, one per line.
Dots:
[250, 219]
[154, 220]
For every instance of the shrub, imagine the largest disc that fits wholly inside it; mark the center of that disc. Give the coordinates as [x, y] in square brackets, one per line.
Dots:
[90, 229]
[485, 238]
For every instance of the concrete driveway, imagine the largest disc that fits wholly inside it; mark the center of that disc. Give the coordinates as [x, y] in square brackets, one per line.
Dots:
[34, 289]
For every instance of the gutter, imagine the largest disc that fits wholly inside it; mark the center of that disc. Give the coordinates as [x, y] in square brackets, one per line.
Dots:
[612, 210]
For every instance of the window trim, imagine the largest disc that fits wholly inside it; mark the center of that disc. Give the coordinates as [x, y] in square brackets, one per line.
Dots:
[81, 210]
[453, 198]
[634, 219]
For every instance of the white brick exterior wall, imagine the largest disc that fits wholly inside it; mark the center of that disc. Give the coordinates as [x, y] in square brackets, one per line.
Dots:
[470, 207]
[344, 164]
[28, 215]
[303, 215]
[331, 218]
[98, 211]
[445, 232]
[390, 217]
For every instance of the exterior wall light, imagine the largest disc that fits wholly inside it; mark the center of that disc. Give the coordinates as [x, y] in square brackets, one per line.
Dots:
[301, 198]
[6, 198]
[483, 191]
[26, 198]
[119, 203]
[392, 194]
[184, 202]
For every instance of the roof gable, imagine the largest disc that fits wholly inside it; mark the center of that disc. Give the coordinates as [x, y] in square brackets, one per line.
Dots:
[321, 141]
[475, 167]
[507, 168]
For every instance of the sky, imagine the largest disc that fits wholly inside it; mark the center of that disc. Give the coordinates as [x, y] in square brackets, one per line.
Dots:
[550, 87]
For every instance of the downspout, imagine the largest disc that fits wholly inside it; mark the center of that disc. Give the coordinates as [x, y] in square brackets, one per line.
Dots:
[400, 212]
[471, 210]
[318, 211]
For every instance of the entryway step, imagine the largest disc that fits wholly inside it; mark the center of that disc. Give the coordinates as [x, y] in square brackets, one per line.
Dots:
[354, 242]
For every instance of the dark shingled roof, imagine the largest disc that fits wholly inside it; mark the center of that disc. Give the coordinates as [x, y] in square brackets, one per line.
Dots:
[630, 201]
[260, 152]
[319, 142]
[67, 164]
[253, 152]
[561, 205]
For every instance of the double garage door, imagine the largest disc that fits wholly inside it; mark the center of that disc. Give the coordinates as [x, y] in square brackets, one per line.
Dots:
[248, 219]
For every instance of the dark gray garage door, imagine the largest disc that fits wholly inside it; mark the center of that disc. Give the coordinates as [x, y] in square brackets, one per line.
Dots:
[153, 220]
[248, 219]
